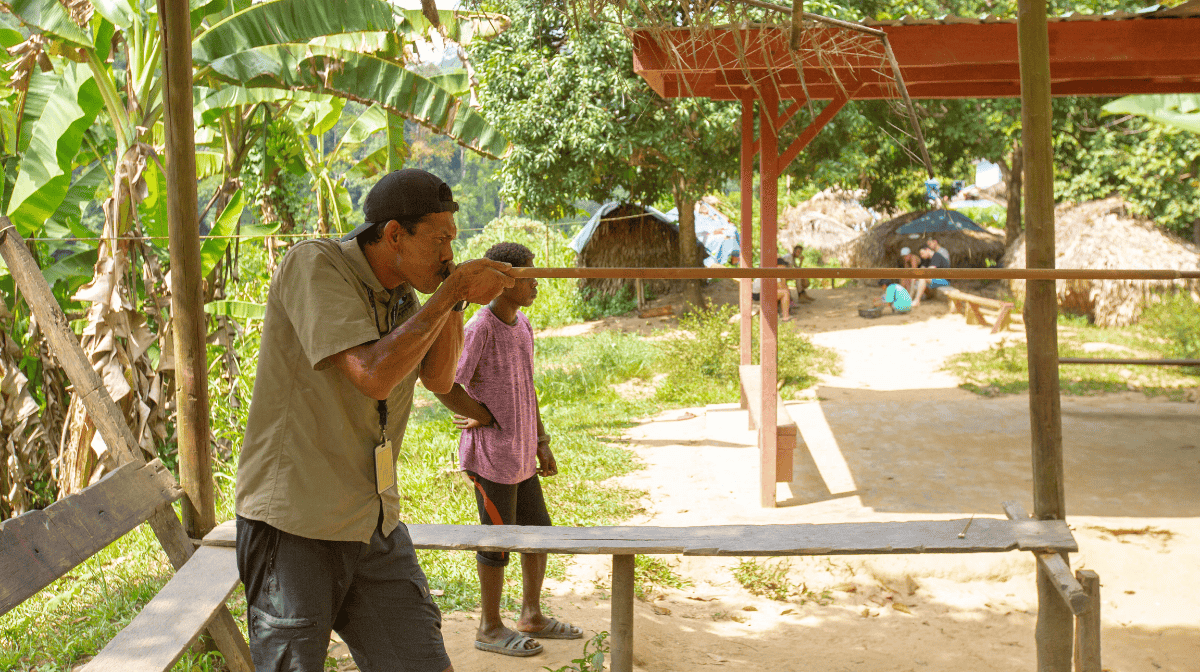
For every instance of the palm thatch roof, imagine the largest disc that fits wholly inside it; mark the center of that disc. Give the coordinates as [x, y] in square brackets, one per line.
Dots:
[827, 222]
[629, 236]
[1102, 235]
[880, 246]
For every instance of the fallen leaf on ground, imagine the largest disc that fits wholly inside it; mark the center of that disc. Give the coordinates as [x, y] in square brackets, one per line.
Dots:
[749, 607]
[661, 611]
[901, 608]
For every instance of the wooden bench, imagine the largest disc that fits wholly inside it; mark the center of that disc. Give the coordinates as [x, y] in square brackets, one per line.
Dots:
[972, 307]
[786, 431]
[977, 535]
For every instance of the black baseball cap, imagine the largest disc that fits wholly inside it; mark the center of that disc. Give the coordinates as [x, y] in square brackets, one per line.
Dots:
[404, 194]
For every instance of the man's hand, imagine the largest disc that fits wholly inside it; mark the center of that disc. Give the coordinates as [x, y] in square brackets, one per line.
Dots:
[479, 280]
[547, 465]
[465, 422]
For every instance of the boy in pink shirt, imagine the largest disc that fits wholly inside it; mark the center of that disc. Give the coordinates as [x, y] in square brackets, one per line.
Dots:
[503, 450]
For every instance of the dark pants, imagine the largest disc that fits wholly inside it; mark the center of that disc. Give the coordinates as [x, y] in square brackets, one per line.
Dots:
[374, 595]
[508, 504]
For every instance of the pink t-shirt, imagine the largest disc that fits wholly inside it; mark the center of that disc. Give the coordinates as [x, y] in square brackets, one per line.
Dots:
[496, 369]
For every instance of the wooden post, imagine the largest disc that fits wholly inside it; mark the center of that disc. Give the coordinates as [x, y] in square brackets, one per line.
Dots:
[1087, 626]
[187, 300]
[1055, 623]
[622, 613]
[747, 233]
[768, 159]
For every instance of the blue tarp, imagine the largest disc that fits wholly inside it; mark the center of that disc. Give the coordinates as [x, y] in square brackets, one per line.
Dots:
[940, 220]
[718, 235]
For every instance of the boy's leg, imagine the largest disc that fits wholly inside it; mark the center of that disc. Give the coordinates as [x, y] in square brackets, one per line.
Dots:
[497, 504]
[531, 510]
[491, 590]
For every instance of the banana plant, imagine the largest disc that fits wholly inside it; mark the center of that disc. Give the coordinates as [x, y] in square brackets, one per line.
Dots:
[1180, 110]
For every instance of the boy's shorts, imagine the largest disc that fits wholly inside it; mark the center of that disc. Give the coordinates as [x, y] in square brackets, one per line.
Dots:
[374, 595]
[508, 504]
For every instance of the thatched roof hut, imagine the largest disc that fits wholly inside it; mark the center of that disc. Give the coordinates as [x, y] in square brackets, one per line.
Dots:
[624, 235]
[827, 222]
[1102, 234]
[880, 246]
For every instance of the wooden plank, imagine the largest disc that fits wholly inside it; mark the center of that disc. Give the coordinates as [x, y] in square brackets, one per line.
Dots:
[813, 272]
[1065, 583]
[622, 613]
[985, 535]
[160, 634]
[101, 408]
[40, 546]
[751, 379]
[1135, 362]
[958, 295]
[1003, 317]
[1087, 625]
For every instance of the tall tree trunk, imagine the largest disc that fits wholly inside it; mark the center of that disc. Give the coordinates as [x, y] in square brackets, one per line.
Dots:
[1013, 185]
[1196, 231]
[688, 258]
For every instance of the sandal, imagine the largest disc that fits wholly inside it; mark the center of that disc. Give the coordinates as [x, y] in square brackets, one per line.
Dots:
[516, 644]
[556, 629]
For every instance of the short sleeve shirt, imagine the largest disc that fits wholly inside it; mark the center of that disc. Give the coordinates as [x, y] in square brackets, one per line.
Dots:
[496, 369]
[307, 464]
[898, 297]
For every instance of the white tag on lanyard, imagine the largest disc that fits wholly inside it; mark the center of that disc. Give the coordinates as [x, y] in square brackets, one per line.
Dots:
[385, 468]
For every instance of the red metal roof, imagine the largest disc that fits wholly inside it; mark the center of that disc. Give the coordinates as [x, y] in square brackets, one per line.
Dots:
[950, 57]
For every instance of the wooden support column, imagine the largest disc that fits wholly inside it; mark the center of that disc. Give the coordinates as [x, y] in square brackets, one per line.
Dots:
[747, 232]
[187, 296]
[1055, 623]
[622, 613]
[1087, 627]
[768, 156]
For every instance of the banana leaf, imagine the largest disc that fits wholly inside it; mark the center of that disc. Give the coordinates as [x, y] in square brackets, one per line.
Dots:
[45, 172]
[1176, 109]
[50, 17]
[365, 79]
[215, 243]
[240, 310]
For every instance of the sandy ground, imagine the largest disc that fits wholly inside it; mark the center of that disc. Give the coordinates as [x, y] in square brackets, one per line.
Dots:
[893, 438]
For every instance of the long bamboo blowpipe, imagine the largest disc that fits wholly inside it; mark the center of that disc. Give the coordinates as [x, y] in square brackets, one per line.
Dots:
[865, 273]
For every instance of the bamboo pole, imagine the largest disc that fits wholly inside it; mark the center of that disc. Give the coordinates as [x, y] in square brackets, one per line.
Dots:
[1055, 622]
[747, 233]
[768, 322]
[858, 273]
[1135, 362]
[187, 300]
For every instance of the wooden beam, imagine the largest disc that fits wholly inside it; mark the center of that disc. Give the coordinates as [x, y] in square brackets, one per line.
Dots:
[187, 295]
[164, 629]
[749, 149]
[811, 132]
[1087, 625]
[622, 613]
[870, 273]
[768, 321]
[1132, 362]
[38, 547]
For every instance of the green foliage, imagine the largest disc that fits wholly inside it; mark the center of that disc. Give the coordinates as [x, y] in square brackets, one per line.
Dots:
[1168, 330]
[1176, 320]
[583, 125]
[701, 361]
[766, 579]
[651, 572]
[592, 660]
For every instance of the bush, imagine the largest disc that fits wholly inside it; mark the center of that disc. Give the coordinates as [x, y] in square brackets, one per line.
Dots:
[1177, 320]
[701, 361]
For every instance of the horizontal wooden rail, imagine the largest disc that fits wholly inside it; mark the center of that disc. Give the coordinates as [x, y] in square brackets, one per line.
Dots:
[861, 273]
[1143, 362]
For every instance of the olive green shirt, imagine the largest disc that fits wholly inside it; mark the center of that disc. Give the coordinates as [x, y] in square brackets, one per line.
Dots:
[307, 465]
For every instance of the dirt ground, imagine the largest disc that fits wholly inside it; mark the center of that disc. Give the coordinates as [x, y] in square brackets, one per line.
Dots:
[893, 438]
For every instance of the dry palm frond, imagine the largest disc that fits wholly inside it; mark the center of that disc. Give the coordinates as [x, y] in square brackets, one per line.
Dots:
[629, 237]
[1102, 235]
[827, 222]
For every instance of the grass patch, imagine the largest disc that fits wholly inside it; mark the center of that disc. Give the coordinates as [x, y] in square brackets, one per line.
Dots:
[651, 572]
[765, 579]
[1165, 333]
[700, 360]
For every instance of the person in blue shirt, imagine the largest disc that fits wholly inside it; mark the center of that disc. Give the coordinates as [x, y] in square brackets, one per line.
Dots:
[895, 296]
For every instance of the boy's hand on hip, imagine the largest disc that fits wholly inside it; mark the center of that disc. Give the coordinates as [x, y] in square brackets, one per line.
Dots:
[547, 465]
[464, 422]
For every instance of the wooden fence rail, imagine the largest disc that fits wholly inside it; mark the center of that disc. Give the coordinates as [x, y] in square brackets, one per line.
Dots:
[860, 273]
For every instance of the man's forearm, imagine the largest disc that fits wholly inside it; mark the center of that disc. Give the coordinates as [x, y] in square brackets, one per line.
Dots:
[375, 368]
[441, 361]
